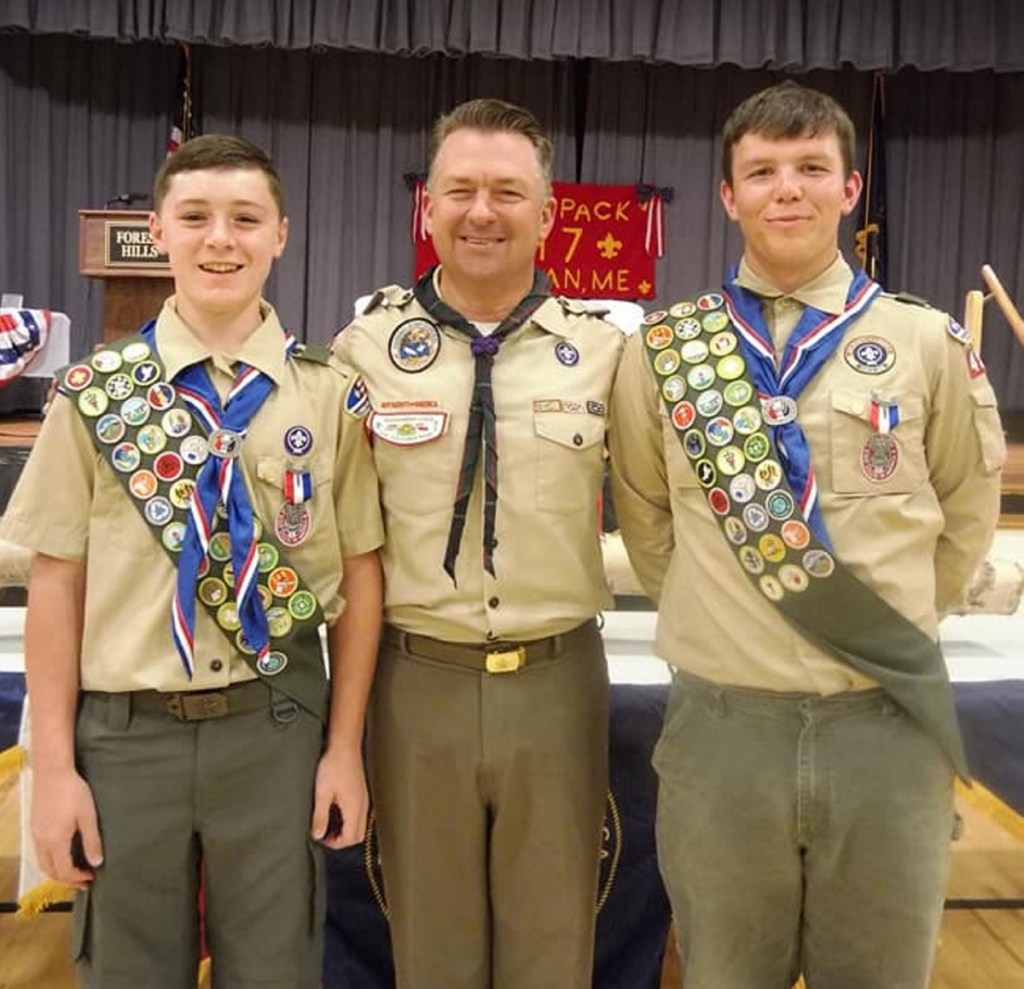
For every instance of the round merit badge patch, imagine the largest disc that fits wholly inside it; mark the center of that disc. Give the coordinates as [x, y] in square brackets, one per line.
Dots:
[414, 345]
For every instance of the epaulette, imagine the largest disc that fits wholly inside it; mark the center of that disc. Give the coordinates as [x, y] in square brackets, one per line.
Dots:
[911, 300]
[389, 297]
[318, 355]
[581, 307]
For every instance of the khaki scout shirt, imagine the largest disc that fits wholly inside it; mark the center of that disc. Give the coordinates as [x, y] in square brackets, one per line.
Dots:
[552, 380]
[915, 537]
[68, 504]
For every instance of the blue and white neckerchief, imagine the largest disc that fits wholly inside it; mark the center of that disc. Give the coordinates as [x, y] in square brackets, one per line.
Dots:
[220, 483]
[813, 341]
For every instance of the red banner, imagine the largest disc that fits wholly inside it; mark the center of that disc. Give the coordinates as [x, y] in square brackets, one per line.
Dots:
[602, 246]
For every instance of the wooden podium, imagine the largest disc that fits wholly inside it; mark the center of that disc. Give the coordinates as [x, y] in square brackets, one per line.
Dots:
[115, 245]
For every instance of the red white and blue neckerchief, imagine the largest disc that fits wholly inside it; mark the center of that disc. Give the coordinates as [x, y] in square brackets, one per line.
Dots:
[298, 486]
[219, 482]
[813, 341]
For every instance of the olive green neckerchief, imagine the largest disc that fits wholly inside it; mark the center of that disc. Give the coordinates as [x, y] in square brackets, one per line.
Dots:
[126, 402]
[703, 380]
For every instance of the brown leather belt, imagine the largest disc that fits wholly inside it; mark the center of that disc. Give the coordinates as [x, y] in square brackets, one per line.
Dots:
[489, 657]
[200, 705]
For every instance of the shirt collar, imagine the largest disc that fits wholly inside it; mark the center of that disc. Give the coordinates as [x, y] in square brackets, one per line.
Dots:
[179, 347]
[826, 292]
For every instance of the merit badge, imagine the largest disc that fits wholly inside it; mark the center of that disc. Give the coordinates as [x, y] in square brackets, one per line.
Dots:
[687, 329]
[706, 473]
[220, 546]
[771, 587]
[357, 399]
[279, 622]
[119, 387]
[158, 510]
[659, 337]
[756, 447]
[721, 343]
[168, 466]
[227, 617]
[720, 431]
[151, 439]
[709, 403]
[731, 367]
[93, 401]
[409, 428]
[742, 488]
[243, 643]
[674, 388]
[283, 582]
[768, 475]
[747, 420]
[109, 428]
[135, 352]
[271, 663]
[710, 300]
[683, 415]
[161, 395]
[681, 309]
[780, 505]
[181, 492]
[655, 317]
[730, 460]
[870, 355]
[772, 548]
[819, 563]
[106, 361]
[719, 501]
[567, 353]
[267, 557]
[301, 605]
[751, 560]
[292, 524]
[715, 321]
[694, 444]
[694, 351]
[880, 457]
[795, 534]
[173, 536]
[212, 591]
[793, 578]
[145, 373]
[667, 362]
[755, 517]
[414, 345]
[126, 457]
[194, 450]
[142, 484]
[135, 410]
[176, 422]
[298, 441]
[735, 530]
[700, 377]
[957, 332]
[778, 410]
[738, 392]
[77, 377]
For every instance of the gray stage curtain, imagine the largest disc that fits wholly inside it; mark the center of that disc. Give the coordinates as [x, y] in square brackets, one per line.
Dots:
[84, 120]
[790, 34]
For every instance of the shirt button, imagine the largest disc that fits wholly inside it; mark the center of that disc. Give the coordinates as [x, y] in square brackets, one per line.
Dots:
[577, 440]
[493, 603]
[216, 665]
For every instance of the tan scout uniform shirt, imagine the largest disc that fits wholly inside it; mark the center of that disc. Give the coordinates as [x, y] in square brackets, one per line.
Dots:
[68, 504]
[551, 416]
[914, 537]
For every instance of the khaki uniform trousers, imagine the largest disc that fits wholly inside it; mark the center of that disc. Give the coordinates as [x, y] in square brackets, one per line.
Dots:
[489, 793]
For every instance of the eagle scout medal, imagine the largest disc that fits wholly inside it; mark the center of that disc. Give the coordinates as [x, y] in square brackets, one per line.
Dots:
[870, 355]
[414, 345]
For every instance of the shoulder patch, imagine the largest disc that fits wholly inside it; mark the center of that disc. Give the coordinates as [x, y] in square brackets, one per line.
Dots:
[958, 332]
[317, 355]
[357, 398]
[574, 307]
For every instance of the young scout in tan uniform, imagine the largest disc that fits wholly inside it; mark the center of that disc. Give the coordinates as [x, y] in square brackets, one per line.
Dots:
[806, 474]
[165, 749]
[488, 723]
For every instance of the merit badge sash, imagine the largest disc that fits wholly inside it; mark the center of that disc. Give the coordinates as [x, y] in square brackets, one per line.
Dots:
[157, 445]
[726, 427]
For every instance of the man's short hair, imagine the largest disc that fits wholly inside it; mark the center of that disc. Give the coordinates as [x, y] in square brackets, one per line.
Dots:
[216, 151]
[788, 110]
[495, 115]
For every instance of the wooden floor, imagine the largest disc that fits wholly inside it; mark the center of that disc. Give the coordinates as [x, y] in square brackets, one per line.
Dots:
[979, 949]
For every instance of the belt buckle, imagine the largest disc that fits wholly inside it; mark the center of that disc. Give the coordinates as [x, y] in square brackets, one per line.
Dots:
[506, 661]
[198, 706]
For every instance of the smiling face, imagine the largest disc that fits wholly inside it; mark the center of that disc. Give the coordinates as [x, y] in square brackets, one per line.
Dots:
[221, 229]
[488, 209]
[788, 196]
